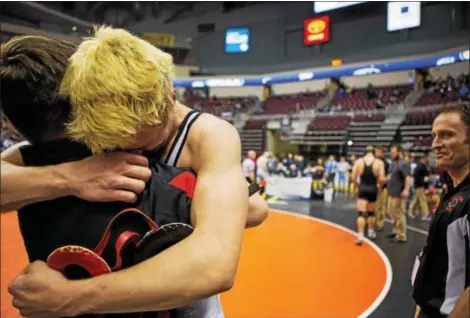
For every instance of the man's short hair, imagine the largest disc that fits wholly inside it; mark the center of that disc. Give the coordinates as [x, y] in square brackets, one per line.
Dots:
[463, 110]
[31, 69]
[369, 149]
[116, 83]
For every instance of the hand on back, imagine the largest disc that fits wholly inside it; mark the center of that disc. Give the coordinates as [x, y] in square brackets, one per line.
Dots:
[109, 177]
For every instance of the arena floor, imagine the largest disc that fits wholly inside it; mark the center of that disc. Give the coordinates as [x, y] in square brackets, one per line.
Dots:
[302, 262]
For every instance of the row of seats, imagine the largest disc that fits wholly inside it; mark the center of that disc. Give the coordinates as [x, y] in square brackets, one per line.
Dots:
[283, 104]
[329, 123]
[385, 95]
[429, 99]
[255, 124]
[419, 118]
[253, 136]
[369, 118]
[217, 106]
[423, 141]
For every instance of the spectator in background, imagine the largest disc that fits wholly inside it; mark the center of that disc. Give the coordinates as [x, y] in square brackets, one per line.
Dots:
[288, 160]
[271, 163]
[399, 186]
[249, 166]
[412, 159]
[294, 172]
[331, 168]
[299, 162]
[343, 174]
[281, 170]
[262, 166]
[370, 92]
[443, 89]
[318, 170]
[421, 181]
[463, 93]
[351, 161]
[382, 195]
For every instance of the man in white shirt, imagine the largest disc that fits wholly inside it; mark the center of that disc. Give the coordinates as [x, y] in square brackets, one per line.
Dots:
[262, 166]
[249, 166]
[343, 169]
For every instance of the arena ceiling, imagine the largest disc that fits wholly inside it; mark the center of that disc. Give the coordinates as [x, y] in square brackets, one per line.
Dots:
[121, 14]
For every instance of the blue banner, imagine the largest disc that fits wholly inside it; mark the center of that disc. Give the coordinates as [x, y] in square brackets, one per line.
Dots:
[368, 69]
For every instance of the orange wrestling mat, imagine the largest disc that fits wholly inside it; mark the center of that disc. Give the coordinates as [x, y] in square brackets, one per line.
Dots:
[291, 267]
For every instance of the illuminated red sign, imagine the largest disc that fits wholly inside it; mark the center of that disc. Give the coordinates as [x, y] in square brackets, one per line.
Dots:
[317, 30]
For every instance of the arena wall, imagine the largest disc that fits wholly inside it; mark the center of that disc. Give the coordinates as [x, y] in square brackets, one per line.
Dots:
[358, 34]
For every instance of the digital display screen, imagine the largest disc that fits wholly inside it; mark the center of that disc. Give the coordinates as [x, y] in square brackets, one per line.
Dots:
[403, 15]
[323, 6]
[237, 40]
[317, 30]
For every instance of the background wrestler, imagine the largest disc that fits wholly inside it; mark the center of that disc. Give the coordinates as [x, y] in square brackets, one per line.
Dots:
[371, 173]
[61, 285]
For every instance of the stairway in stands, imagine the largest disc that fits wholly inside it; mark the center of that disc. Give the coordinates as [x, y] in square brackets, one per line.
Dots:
[253, 136]
[363, 134]
[388, 129]
[299, 130]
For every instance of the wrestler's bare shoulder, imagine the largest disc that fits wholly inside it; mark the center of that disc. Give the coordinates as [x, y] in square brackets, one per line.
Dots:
[210, 128]
[209, 131]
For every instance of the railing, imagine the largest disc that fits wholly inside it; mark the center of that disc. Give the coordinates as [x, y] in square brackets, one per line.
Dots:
[413, 97]
[20, 30]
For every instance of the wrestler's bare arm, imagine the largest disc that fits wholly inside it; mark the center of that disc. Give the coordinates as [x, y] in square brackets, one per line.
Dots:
[381, 177]
[354, 173]
[202, 265]
[257, 210]
[101, 178]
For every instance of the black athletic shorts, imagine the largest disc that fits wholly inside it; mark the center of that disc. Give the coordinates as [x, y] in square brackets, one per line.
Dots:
[367, 192]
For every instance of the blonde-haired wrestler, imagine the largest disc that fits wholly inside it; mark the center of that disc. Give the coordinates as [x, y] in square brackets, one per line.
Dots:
[122, 97]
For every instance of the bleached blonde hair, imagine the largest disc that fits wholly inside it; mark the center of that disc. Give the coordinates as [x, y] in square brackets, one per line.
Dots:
[116, 82]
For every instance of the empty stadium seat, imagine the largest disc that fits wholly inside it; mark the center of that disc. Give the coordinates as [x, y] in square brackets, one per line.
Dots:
[329, 123]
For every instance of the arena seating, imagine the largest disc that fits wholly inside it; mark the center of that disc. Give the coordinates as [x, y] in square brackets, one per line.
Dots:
[218, 106]
[429, 99]
[325, 129]
[421, 117]
[283, 104]
[416, 129]
[386, 95]
[363, 132]
[368, 118]
[253, 136]
[422, 143]
[329, 123]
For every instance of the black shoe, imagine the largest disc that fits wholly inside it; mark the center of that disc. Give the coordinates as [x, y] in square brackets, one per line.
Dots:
[396, 240]
[391, 235]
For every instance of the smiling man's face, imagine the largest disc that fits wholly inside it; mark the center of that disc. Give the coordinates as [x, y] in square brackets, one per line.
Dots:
[450, 141]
